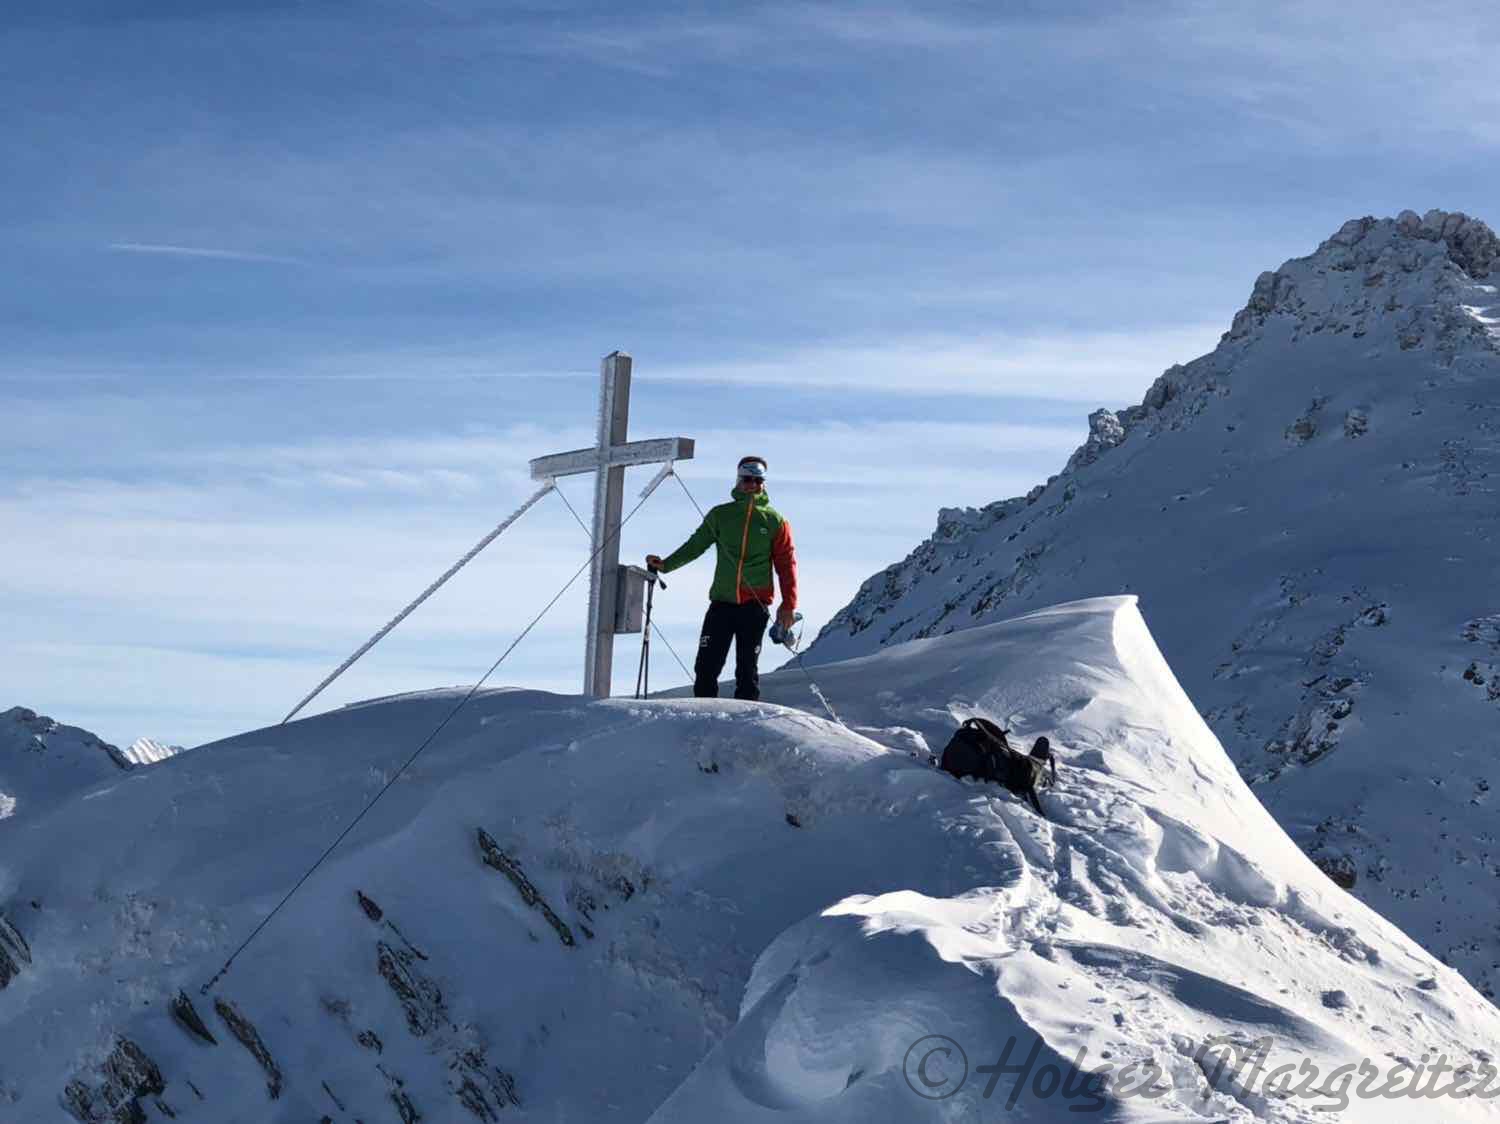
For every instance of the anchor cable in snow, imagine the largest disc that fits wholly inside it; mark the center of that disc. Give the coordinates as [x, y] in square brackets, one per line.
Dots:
[822, 698]
[551, 486]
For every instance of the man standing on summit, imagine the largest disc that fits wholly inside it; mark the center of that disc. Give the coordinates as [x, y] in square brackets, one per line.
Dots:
[752, 538]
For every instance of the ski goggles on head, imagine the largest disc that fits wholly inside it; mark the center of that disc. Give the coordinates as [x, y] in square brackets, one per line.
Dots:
[752, 470]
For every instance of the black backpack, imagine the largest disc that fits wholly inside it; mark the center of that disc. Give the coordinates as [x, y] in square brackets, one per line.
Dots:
[979, 748]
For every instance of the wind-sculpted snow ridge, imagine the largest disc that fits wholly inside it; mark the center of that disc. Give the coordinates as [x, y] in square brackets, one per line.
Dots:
[689, 910]
[1309, 517]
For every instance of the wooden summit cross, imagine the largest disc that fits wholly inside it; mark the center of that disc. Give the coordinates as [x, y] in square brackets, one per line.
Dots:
[607, 460]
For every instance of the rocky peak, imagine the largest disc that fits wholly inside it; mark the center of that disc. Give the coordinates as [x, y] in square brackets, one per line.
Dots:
[1412, 283]
[1417, 272]
[1471, 244]
[1105, 432]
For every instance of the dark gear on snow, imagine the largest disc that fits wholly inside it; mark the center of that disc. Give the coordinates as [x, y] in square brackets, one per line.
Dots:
[725, 623]
[980, 749]
[975, 750]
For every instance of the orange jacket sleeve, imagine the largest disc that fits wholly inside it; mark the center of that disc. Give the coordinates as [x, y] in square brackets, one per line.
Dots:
[784, 559]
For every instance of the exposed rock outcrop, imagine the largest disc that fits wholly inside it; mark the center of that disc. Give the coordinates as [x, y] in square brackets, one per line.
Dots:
[15, 953]
[244, 1030]
[127, 1075]
[482, 1088]
[186, 1016]
[421, 999]
[509, 866]
[1105, 432]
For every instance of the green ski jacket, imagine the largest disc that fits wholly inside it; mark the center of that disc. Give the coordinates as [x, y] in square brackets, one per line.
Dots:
[753, 538]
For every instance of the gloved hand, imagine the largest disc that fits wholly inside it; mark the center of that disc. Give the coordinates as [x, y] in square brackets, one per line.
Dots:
[653, 562]
[785, 617]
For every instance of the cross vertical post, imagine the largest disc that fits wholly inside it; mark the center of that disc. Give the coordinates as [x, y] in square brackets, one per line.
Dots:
[609, 496]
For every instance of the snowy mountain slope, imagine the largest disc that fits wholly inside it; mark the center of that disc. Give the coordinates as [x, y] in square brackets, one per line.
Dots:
[663, 882]
[43, 761]
[1308, 516]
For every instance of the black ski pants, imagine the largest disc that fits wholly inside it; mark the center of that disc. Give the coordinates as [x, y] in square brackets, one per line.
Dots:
[744, 625]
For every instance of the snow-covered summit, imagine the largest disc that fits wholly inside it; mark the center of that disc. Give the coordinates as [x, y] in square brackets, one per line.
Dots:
[1308, 515]
[704, 909]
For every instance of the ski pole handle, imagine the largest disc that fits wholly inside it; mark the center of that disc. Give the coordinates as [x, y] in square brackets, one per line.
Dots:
[653, 573]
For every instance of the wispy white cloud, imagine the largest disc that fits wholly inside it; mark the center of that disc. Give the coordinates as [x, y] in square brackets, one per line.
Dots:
[201, 252]
[1096, 367]
[771, 35]
[1093, 365]
[1298, 68]
[1303, 75]
[246, 563]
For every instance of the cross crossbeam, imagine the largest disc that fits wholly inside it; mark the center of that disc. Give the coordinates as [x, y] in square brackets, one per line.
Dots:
[654, 451]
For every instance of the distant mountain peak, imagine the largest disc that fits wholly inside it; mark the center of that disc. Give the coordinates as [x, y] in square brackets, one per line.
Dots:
[28, 731]
[1415, 283]
[1392, 270]
[149, 751]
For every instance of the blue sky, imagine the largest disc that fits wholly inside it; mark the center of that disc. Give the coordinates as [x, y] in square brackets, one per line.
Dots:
[294, 290]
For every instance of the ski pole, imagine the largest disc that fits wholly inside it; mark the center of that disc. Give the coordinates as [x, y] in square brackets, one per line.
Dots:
[643, 672]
